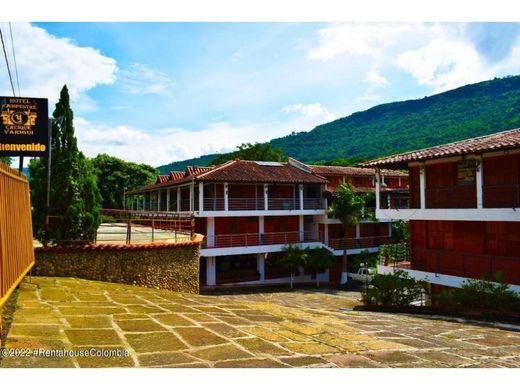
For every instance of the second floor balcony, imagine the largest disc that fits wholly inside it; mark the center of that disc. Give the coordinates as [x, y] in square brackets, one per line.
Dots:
[358, 243]
[241, 204]
[480, 188]
[257, 239]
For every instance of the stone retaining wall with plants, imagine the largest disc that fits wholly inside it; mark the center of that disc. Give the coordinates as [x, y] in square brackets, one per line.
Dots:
[169, 266]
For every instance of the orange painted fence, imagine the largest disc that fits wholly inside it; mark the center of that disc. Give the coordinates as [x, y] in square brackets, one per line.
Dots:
[16, 236]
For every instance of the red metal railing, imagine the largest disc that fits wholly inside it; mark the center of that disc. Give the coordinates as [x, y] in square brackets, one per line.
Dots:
[313, 203]
[218, 204]
[255, 239]
[493, 196]
[358, 243]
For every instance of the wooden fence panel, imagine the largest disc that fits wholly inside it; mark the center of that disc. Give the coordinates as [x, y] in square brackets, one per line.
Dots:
[16, 236]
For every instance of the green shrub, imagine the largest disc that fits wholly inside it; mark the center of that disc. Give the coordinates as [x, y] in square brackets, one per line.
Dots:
[397, 289]
[482, 294]
[394, 253]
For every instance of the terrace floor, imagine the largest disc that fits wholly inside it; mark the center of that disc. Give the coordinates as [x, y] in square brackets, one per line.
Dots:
[115, 233]
[304, 328]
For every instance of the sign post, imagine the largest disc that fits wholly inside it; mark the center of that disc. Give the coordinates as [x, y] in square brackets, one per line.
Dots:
[24, 129]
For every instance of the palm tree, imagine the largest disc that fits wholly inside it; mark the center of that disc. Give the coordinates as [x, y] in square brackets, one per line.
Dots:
[347, 206]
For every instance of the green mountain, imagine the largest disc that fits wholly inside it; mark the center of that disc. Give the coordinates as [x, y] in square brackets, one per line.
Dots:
[469, 111]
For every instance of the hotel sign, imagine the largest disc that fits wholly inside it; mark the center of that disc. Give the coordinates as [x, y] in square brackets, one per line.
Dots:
[24, 127]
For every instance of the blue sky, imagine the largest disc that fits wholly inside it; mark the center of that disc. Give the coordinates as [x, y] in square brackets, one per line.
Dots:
[162, 92]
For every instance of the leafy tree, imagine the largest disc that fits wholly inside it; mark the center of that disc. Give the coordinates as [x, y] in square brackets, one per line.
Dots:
[347, 206]
[342, 161]
[6, 160]
[400, 231]
[292, 258]
[318, 260]
[114, 175]
[74, 196]
[252, 152]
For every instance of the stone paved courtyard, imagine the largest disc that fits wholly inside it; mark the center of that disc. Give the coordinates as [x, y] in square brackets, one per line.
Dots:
[286, 329]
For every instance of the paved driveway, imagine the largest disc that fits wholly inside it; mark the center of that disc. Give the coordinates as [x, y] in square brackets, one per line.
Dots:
[106, 324]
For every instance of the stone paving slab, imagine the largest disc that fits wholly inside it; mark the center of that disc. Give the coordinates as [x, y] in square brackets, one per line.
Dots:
[67, 322]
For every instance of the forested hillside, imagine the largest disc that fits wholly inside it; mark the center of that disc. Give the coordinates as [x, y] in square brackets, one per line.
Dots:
[469, 111]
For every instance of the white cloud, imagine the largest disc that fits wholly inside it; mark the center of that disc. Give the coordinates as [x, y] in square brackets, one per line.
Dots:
[375, 79]
[140, 79]
[161, 146]
[357, 39]
[441, 56]
[445, 64]
[313, 110]
[46, 63]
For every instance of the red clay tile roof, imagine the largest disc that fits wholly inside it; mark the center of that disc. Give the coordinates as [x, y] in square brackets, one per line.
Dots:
[175, 175]
[239, 171]
[259, 172]
[327, 170]
[193, 171]
[504, 140]
[162, 179]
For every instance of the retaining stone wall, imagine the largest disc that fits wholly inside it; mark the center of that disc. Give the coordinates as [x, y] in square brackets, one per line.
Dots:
[169, 266]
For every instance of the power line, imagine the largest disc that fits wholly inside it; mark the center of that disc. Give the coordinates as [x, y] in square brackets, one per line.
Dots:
[14, 57]
[7, 62]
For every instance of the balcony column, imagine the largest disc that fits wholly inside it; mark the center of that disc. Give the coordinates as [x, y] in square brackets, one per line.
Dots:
[260, 266]
[389, 229]
[266, 197]
[150, 205]
[201, 196]
[210, 231]
[326, 234]
[301, 196]
[226, 197]
[178, 199]
[159, 200]
[325, 200]
[261, 225]
[378, 189]
[358, 231]
[422, 185]
[301, 228]
[479, 181]
[192, 196]
[211, 271]
[168, 191]
[261, 229]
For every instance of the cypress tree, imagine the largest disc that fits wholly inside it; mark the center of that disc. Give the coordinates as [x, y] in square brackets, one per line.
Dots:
[74, 196]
